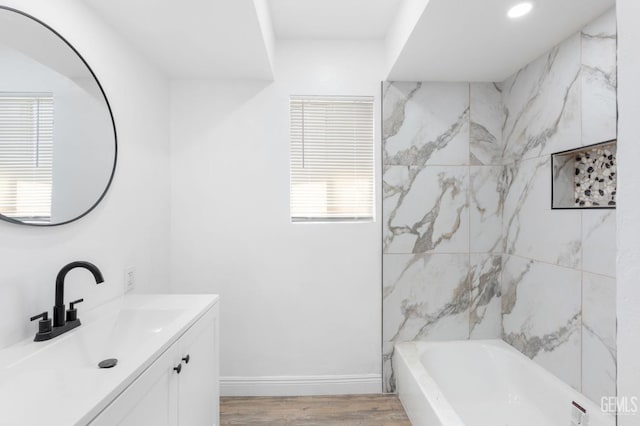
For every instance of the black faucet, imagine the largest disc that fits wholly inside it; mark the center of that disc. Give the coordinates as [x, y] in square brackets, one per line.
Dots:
[58, 308]
[62, 323]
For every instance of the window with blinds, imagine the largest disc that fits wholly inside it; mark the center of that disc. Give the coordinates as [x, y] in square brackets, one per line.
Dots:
[26, 156]
[332, 158]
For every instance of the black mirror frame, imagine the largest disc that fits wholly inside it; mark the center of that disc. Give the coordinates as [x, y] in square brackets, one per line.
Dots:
[113, 124]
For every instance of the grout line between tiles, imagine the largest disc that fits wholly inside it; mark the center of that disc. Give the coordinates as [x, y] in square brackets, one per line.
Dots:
[469, 189]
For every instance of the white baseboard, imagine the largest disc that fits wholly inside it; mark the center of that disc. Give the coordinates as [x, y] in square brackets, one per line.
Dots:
[300, 385]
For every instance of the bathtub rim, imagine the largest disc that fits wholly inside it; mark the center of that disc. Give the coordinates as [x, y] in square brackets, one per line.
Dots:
[410, 353]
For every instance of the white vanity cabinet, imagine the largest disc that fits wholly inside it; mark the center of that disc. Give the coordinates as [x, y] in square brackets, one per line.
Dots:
[163, 396]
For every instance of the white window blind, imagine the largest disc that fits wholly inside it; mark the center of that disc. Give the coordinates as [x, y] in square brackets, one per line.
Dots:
[332, 158]
[26, 156]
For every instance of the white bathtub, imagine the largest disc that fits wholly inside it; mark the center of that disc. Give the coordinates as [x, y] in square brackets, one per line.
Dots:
[483, 383]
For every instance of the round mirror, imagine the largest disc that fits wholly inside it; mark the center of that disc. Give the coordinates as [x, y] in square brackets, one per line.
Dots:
[58, 145]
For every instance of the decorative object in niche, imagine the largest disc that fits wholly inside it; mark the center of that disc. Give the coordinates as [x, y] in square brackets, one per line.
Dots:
[584, 178]
[58, 146]
[595, 177]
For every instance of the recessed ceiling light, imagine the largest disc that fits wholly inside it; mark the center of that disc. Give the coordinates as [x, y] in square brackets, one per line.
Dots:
[519, 10]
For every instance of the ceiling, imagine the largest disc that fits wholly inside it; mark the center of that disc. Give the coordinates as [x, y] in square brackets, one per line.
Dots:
[472, 40]
[194, 38]
[332, 19]
[439, 40]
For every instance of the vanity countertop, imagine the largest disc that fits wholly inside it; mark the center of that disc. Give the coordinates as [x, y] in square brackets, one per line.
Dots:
[58, 382]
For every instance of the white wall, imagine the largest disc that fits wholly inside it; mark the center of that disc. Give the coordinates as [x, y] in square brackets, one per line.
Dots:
[628, 266]
[298, 300]
[403, 24]
[131, 225]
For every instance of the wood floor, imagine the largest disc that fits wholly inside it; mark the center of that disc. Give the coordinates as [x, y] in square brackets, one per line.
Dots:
[343, 410]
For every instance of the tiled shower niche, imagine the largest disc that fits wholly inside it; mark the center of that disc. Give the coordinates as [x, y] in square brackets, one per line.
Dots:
[585, 178]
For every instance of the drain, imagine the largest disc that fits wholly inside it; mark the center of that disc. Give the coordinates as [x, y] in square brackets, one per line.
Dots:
[108, 363]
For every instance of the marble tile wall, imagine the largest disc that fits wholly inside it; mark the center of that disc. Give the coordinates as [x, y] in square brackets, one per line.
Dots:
[442, 213]
[541, 314]
[599, 80]
[471, 248]
[559, 262]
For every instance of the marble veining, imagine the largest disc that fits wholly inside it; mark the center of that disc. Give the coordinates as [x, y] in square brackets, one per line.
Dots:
[388, 378]
[485, 304]
[425, 297]
[541, 314]
[598, 336]
[428, 195]
[425, 209]
[542, 102]
[487, 185]
[599, 80]
[487, 118]
[598, 236]
[396, 96]
[527, 212]
[425, 124]
[533, 345]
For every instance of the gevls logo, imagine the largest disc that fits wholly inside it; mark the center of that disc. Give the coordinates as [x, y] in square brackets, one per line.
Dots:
[620, 405]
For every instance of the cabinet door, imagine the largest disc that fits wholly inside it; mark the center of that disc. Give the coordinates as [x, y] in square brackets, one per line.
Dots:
[198, 396]
[150, 400]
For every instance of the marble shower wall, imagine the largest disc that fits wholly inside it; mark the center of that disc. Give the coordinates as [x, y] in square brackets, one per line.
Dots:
[471, 248]
[558, 282]
[442, 213]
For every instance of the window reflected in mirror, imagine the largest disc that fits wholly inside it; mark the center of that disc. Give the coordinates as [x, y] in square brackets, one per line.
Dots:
[26, 156]
[57, 136]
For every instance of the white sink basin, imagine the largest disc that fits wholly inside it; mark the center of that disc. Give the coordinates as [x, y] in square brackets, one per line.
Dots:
[59, 381]
[120, 335]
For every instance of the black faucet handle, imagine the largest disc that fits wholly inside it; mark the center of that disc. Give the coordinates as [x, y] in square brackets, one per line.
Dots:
[75, 302]
[44, 316]
[44, 325]
[72, 312]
